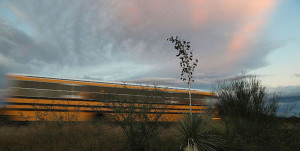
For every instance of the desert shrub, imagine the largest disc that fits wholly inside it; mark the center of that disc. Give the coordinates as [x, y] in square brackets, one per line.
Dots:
[140, 119]
[249, 112]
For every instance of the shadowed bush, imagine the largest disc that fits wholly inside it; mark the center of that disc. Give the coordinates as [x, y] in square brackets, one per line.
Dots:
[249, 112]
[140, 119]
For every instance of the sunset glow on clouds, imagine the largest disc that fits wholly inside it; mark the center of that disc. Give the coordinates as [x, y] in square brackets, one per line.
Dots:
[249, 17]
[116, 40]
[239, 22]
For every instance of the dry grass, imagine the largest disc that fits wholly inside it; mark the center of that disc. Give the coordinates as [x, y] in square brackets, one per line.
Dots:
[57, 136]
[102, 136]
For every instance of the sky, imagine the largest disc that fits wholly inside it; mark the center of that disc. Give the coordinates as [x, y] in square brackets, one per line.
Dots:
[112, 40]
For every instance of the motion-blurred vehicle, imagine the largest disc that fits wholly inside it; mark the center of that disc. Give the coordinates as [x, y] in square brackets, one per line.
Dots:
[35, 98]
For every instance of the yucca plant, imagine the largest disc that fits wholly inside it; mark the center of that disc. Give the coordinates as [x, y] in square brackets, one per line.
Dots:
[188, 62]
[194, 135]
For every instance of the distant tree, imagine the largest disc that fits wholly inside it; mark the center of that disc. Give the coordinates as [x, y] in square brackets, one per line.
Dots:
[188, 63]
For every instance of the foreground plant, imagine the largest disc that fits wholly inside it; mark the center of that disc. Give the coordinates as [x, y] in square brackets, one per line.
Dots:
[193, 134]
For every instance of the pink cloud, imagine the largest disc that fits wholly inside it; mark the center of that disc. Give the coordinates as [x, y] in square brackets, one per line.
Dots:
[243, 20]
[243, 35]
[256, 15]
[162, 13]
[221, 31]
[198, 13]
[192, 14]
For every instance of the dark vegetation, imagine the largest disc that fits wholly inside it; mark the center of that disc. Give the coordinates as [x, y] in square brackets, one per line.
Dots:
[140, 122]
[249, 122]
[250, 116]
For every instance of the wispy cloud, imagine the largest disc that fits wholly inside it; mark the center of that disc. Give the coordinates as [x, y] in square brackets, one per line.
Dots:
[256, 14]
[116, 40]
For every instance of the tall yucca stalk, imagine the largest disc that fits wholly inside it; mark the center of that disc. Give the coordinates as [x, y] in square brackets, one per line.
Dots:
[188, 63]
[193, 133]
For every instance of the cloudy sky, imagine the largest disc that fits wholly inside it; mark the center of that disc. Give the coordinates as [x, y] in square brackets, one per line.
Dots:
[114, 40]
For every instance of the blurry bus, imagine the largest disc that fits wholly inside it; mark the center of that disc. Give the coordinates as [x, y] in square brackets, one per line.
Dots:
[35, 98]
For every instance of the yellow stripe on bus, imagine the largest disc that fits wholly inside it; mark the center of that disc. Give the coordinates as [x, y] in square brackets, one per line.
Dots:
[19, 115]
[71, 102]
[21, 77]
[80, 109]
